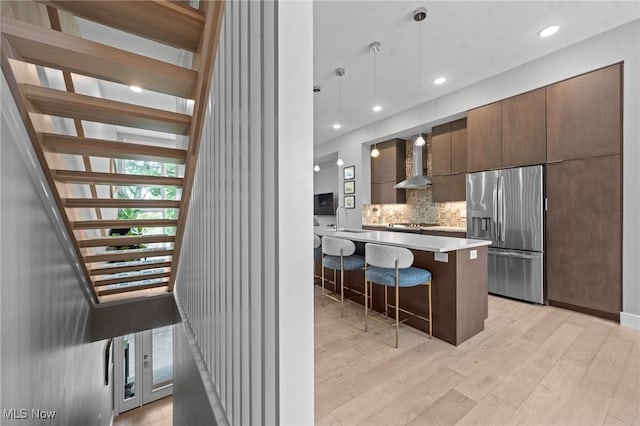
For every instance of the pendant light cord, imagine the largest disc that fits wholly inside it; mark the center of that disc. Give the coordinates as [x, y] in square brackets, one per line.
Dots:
[420, 77]
[375, 92]
[339, 98]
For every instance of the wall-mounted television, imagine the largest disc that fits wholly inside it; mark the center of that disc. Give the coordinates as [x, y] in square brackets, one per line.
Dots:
[323, 204]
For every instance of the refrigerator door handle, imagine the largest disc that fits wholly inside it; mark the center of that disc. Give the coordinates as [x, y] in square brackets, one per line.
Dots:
[495, 217]
[503, 233]
[499, 208]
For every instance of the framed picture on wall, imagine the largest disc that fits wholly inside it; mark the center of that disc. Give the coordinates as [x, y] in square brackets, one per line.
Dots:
[349, 201]
[350, 187]
[349, 172]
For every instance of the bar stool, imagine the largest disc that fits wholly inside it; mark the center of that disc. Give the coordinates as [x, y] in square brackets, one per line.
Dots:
[391, 267]
[317, 256]
[337, 253]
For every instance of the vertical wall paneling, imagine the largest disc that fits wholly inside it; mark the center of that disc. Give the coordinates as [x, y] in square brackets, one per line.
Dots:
[245, 340]
[229, 279]
[270, 214]
[236, 314]
[256, 200]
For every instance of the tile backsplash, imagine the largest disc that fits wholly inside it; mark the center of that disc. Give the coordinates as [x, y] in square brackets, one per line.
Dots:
[419, 207]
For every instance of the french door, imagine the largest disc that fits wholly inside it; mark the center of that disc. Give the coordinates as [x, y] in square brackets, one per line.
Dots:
[143, 367]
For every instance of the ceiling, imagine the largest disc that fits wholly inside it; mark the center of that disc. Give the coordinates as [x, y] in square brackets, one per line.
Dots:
[465, 41]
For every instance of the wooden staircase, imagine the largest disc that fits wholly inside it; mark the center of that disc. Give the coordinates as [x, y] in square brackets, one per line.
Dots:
[122, 266]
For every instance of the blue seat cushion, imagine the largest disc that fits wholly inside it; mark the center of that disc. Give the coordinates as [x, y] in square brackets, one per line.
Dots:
[317, 253]
[351, 263]
[407, 277]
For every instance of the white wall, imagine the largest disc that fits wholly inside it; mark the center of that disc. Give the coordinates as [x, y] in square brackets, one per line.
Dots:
[620, 44]
[295, 183]
[247, 315]
[326, 180]
[47, 360]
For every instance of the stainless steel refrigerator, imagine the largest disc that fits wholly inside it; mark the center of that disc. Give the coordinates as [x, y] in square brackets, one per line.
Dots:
[506, 207]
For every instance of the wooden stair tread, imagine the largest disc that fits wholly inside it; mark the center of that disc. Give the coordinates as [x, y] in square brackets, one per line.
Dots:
[130, 278]
[64, 144]
[170, 23]
[121, 255]
[57, 50]
[128, 268]
[99, 178]
[124, 223]
[131, 288]
[65, 104]
[118, 203]
[126, 240]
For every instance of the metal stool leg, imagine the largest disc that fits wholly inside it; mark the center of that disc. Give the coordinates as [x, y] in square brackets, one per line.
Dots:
[341, 287]
[322, 261]
[430, 314]
[366, 299]
[397, 309]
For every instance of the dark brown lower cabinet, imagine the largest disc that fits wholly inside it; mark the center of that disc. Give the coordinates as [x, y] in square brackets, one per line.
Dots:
[445, 234]
[449, 188]
[584, 235]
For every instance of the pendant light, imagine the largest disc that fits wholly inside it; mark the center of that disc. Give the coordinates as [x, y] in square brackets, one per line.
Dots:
[419, 15]
[375, 48]
[337, 125]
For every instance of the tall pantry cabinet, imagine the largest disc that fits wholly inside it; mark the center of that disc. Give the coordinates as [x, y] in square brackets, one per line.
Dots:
[584, 193]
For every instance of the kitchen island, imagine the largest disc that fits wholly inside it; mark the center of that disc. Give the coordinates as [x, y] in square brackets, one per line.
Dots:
[459, 280]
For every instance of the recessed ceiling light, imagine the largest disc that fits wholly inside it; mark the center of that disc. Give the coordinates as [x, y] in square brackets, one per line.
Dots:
[136, 89]
[316, 168]
[337, 126]
[377, 108]
[439, 80]
[549, 31]
[339, 162]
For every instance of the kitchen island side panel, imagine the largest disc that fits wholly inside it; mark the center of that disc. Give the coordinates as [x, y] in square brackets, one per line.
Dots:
[472, 289]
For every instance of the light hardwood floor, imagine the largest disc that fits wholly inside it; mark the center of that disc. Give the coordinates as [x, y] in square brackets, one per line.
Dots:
[157, 413]
[536, 365]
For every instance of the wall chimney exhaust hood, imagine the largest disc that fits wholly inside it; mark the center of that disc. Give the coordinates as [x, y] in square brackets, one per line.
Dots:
[418, 180]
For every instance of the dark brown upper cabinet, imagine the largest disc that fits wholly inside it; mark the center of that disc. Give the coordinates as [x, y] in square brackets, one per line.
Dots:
[584, 116]
[524, 134]
[459, 146]
[449, 148]
[449, 188]
[441, 150]
[484, 133]
[388, 169]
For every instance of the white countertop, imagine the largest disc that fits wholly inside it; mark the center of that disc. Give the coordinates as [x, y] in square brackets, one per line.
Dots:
[402, 239]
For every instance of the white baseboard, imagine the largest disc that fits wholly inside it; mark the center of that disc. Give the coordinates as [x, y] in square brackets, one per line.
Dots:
[630, 320]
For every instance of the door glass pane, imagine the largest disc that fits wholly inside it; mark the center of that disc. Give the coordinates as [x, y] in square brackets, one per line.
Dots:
[162, 346]
[129, 366]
